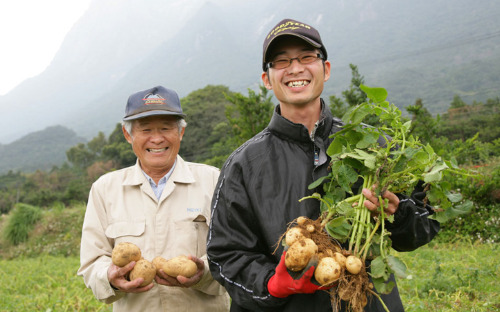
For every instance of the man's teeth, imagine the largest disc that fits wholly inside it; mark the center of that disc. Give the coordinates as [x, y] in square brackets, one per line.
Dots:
[301, 83]
[156, 150]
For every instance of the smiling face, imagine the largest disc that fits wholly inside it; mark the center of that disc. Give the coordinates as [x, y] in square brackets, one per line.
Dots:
[299, 84]
[156, 140]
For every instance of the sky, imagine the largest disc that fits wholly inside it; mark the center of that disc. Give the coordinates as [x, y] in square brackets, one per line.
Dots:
[31, 32]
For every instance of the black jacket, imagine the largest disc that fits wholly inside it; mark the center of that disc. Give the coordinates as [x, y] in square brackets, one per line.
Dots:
[257, 196]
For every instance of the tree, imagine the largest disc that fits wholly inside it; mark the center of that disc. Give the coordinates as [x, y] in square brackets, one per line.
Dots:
[118, 150]
[352, 97]
[204, 109]
[247, 116]
[457, 102]
[423, 125]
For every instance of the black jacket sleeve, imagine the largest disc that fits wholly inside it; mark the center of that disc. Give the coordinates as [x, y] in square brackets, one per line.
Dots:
[235, 251]
[412, 227]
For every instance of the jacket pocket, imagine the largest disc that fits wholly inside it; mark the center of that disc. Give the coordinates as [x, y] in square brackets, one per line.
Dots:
[126, 231]
[192, 236]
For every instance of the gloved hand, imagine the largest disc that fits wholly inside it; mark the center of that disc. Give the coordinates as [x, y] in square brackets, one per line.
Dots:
[282, 284]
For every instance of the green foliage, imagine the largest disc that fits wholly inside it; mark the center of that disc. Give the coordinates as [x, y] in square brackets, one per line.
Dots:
[204, 109]
[451, 277]
[21, 222]
[56, 232]
[118, 149]
[352, 96]
[37, 151]
[396, 165]
[247, 116]
[463, 122]
[423, 125]
[45, 283]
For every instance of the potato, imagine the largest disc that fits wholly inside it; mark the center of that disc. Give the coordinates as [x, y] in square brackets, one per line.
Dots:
[294, 234]
[174, 267]
[353, 264]
[327, 271]
[340, 258]
[299, 254]
[124, 253]
[301, 220]
[145, 269]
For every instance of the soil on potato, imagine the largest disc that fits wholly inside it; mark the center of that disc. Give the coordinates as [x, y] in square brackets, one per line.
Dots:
[351, 288]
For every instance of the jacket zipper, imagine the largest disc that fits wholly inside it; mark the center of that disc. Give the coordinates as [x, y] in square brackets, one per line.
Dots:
[316, 150]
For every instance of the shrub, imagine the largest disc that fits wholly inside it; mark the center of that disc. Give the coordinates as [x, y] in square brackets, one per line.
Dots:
[21, 222]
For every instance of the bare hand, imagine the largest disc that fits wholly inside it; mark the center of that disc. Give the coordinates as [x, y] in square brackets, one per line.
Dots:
[372, 202]
[117, 278]
[163, 279]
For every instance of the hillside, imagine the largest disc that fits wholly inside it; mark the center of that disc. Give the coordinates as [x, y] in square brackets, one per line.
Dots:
[38, 150]
[427, 49]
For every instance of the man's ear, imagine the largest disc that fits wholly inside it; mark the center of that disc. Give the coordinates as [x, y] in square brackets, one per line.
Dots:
[266, 81]
[127, 136]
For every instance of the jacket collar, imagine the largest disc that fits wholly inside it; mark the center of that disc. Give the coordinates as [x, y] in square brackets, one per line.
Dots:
[181, 174]
[298, 132]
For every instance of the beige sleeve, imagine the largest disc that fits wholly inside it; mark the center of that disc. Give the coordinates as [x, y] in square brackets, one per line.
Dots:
[95, 250]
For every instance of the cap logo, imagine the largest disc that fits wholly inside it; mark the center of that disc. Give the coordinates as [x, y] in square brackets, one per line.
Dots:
[151, 98]
[287, 26]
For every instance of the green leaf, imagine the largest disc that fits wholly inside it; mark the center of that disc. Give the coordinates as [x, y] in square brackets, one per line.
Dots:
[382, 286]
[454, 197]
[339, 228]
[346, 176]
[337, 146]
[401, 164]
[344, 208]
[368, 139]
[334, 196]
[453, 212]
[357, 115]
[378, 268]
[397, 266]
[317, 183]
[353, 137]
[435, 174]
[375, 94]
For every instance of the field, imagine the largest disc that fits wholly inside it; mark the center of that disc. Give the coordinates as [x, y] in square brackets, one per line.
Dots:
[446, 277]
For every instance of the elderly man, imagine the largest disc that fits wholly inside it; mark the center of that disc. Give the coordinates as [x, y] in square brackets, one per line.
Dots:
[162, 205]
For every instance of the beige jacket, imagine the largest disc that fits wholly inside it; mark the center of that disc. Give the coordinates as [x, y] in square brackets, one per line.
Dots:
[123, 208]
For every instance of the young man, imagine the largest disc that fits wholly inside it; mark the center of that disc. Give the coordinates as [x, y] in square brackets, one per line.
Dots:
[161, 204]
[261, 182]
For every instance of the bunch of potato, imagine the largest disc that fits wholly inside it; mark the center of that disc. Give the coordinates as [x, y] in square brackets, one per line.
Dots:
[307, 240]
[125, 252]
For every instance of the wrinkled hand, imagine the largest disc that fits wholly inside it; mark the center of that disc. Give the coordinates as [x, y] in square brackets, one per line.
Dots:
[282, 284]
[117, 278]
[372, 202]
[181, 281]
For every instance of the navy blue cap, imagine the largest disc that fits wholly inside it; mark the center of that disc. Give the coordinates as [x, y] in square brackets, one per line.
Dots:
[291, 27]
[155, 101]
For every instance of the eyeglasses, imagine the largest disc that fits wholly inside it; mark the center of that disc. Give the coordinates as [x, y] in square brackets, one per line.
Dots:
[306, 58]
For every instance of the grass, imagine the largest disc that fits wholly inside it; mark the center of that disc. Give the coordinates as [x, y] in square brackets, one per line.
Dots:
[446, 277]
[45, 283]
[40, 274]
[452, 277]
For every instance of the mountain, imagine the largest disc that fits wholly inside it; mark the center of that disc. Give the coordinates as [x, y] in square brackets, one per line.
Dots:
[429, 49]
[38, 150]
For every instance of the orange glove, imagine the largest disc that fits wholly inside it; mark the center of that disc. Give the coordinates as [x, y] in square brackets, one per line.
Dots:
[282, 284]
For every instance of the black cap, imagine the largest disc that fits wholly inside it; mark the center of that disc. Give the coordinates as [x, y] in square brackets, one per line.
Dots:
[293, 28]
[155, 101]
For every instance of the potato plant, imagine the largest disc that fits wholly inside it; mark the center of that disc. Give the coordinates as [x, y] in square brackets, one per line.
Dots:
[389, 159]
